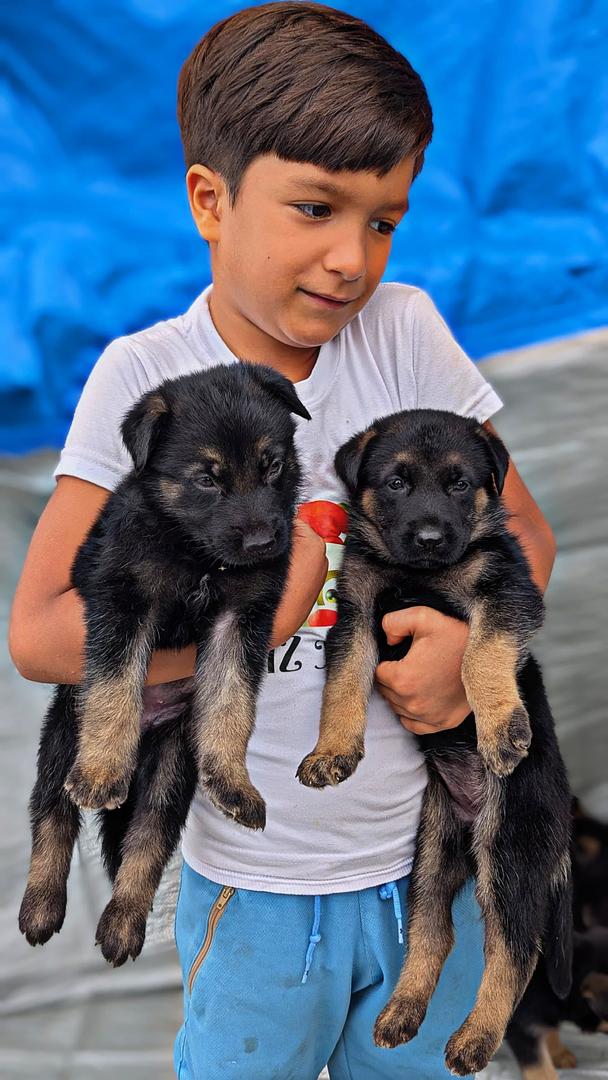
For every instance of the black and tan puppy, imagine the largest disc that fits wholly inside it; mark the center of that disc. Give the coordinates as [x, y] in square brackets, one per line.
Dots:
[427, 527]
[533, 1032]
[193, 547]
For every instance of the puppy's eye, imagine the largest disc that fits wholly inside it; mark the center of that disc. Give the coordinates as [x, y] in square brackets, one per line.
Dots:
[205, 481]
[274, 470]
[396, 483]
[460, 485]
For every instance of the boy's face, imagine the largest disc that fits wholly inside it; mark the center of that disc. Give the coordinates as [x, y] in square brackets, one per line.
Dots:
[296, 231]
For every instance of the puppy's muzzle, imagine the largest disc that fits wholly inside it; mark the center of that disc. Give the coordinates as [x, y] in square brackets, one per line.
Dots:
[429, 539]
[258, 539]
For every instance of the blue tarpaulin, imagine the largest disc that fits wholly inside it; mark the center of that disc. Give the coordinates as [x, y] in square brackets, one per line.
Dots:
[508, 225]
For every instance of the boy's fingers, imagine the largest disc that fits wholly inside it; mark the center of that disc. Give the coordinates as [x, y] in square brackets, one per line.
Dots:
[391, 678]
[406, 622]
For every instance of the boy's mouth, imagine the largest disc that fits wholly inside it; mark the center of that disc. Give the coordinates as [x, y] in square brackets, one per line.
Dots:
[327, 301]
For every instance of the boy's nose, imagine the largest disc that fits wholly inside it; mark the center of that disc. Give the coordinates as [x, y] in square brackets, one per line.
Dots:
[348, 258]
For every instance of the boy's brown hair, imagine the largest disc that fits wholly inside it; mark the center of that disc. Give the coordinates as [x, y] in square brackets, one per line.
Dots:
[305, 82]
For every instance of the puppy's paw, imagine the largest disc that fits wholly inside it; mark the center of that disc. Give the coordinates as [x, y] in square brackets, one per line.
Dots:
[508, 744]
[240, 801]
[89, 793]
[319, 770]
[469, 1051]
[41, 914]
[399, 1021]
[120, 932]
[562, 1057]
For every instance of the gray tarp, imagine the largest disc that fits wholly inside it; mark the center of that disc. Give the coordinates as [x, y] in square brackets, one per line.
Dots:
[64, 1015]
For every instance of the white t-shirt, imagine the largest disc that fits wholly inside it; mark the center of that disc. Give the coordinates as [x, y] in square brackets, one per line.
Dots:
[396, 354]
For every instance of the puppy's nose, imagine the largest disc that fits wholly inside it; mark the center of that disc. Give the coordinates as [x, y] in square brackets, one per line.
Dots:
[258, 538]
[429, 537]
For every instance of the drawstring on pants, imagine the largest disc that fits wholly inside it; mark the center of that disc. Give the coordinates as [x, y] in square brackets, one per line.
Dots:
[387, 892]
[314, 938]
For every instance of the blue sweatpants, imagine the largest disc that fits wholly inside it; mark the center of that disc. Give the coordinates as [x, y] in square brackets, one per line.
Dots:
[277, 986]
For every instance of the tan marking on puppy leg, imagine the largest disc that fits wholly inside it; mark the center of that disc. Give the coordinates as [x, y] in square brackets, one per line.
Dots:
[560, 1054]
[544, 1070]
[471, 1047]
[224, 717]
[430, 935]
[489, 676]
[109, 730]
[52, 850]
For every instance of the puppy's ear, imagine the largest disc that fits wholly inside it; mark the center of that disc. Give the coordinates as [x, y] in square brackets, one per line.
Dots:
[280, 387]
[498, 455]
[142, 426]
[347, 461]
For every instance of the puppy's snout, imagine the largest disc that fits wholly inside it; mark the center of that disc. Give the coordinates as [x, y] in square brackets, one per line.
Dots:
[429, 538]
[259, 538]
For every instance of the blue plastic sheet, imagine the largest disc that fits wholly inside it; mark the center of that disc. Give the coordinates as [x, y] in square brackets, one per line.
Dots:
[508, 223]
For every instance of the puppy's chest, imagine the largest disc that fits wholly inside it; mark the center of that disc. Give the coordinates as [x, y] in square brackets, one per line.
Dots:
[183, 601]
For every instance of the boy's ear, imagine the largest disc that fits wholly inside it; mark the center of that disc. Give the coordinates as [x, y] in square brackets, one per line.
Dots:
[280, 387]
[207, 194]
[142, 426]
[498, 455]
[349, 457]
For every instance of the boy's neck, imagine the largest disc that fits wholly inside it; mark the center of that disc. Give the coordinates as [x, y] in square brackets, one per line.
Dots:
[248, 342]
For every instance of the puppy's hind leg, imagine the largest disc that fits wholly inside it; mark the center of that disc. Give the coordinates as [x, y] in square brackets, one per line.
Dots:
[439, 871]
[512, 891]
[162, 789]
[55, 823]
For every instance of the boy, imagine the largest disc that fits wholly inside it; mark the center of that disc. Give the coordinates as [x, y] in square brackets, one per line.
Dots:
[303, 131]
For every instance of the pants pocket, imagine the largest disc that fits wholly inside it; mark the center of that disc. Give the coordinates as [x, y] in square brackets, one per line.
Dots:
[216, 912]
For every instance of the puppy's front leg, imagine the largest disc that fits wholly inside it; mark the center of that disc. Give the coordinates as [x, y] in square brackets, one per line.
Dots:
[351, 659]
[489, 674]
[120, 637]
[229, 668]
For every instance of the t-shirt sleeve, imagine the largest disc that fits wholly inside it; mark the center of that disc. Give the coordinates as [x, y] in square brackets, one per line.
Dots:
[94, 449]
[445, 376]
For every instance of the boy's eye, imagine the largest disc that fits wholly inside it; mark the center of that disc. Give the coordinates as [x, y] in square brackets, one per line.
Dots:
[386, 228]
[310, 209]
[319, 211]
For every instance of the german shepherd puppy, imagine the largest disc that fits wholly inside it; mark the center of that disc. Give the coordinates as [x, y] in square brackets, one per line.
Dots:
[533, 1031]
[193, 547]
[427, 527]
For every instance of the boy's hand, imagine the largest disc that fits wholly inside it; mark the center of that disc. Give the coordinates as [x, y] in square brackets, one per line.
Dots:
[425, 688]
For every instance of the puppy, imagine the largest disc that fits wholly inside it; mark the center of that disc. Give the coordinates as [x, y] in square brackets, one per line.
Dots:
[590, 869]
[427, 527]
[193, 547]
[533, 1032]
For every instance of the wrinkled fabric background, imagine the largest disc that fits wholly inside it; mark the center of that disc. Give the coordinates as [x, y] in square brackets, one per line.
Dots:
[508, 222]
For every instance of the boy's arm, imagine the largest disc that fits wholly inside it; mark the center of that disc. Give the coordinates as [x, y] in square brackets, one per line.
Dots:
[47, 630]
[425, 689]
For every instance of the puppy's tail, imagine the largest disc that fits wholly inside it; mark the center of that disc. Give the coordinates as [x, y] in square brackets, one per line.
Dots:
[558, 937]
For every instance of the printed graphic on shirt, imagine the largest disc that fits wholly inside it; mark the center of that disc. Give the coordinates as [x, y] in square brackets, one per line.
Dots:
[330, 520]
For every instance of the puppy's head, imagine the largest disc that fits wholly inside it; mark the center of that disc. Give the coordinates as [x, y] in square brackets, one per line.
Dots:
[215, 450]
[423, 484]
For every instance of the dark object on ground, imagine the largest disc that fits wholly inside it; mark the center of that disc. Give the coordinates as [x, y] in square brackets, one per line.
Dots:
[193, 547]
[427, 528]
